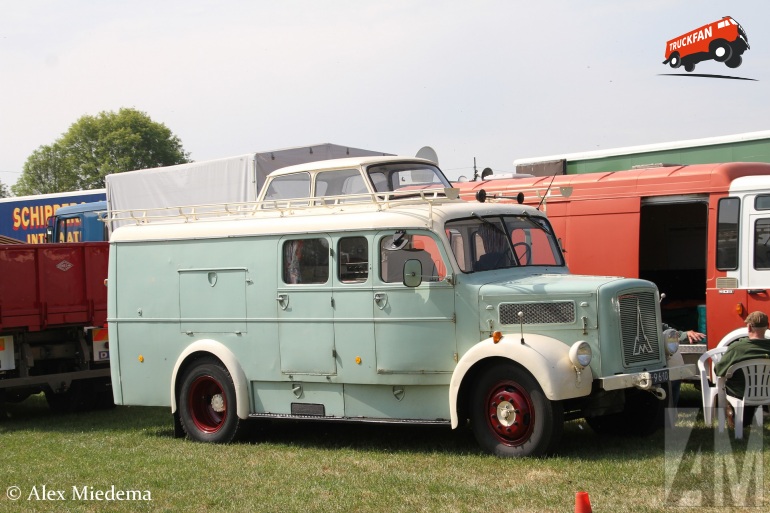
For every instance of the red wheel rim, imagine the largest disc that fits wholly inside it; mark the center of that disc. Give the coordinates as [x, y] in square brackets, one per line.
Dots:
[207, 404]
[510, 413]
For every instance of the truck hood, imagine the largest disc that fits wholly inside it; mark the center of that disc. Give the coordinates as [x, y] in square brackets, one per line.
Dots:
[551, 284]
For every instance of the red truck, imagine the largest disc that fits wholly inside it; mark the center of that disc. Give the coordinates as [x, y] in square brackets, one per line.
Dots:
[723, 41]
[53, 309]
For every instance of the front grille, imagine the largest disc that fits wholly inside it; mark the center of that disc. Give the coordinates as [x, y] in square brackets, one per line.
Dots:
[558, 312]
[639, 328]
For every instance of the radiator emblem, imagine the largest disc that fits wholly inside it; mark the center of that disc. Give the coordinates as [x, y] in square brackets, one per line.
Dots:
[641, 342]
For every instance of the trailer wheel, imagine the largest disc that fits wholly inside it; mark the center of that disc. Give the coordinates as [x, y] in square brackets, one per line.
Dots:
[207, 402]
[674, 61]
[642, 415]
[720, 50]
[511, 416]
[689, 67]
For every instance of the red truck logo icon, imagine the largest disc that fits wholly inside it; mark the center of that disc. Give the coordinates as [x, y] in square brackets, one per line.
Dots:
[723, 41]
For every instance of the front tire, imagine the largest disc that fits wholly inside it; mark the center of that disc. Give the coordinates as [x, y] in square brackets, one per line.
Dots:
[207, 403]
[510, 415]
[675, 61]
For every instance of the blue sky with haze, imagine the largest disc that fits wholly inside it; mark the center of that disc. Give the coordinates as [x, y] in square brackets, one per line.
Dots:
[495, 80]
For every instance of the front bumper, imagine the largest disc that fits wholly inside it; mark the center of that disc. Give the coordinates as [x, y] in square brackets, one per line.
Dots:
[644, 380]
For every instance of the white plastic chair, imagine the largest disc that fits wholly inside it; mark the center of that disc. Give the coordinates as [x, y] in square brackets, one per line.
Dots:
[756, 393]
[708, 381]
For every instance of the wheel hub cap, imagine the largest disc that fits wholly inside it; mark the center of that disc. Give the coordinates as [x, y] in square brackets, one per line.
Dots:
[218, 403]
[506, 413]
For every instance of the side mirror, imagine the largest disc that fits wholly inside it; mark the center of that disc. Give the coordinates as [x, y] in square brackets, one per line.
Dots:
[412, 273]
[49, 230]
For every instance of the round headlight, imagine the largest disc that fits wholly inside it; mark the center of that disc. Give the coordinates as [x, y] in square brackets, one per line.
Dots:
[580, 354]
[671, 339]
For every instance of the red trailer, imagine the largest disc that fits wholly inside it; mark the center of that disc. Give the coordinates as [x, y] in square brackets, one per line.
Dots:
[53, 308]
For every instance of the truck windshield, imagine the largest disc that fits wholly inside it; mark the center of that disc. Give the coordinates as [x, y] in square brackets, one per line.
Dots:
[404, 176]
[500, 242]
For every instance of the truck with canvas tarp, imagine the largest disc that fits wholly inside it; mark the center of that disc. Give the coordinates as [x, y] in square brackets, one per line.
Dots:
[227, 180]
[365, 290]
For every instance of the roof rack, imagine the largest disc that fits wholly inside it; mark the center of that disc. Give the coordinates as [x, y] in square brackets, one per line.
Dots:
[284, 207]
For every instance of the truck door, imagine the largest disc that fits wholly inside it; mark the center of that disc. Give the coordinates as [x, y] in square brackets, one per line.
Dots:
[305, 306]
[759, 261]
[354, 308]
[414, 326]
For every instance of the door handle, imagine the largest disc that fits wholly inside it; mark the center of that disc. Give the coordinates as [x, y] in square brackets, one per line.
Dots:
[757, 291]
[381, 300]
[283, 301]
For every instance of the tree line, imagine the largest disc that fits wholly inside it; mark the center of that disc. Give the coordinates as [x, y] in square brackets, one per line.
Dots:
[95, 146]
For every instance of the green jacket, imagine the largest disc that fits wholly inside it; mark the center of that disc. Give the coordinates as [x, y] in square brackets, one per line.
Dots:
[741, 350]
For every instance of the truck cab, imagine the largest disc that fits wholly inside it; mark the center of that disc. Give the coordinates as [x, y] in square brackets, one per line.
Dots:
[78, 223]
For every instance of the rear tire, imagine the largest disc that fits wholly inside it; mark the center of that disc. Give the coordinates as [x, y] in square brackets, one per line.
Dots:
[734, 61]
[720, 50]
[207, 403]
[510, 415]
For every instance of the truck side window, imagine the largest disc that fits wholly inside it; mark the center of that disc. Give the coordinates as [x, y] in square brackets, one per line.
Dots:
[419, 247]
[727, 233]
[762, 202]
[305, 261]
[296, 185]
[340, 182]
[353, 260]
[762, 244]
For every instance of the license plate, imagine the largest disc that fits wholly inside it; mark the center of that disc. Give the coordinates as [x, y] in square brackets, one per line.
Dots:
[658, 377]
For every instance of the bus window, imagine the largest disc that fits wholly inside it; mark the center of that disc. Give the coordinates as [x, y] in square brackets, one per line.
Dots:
[305, 261]
[353, 259]
[291, 186]
[727, 233]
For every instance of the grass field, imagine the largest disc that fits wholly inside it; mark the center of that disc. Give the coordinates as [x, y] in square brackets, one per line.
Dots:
[298, 467]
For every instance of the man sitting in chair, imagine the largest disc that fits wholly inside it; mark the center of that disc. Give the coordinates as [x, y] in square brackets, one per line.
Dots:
[747, 348]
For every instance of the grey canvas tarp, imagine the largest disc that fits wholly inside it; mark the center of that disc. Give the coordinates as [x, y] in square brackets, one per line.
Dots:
[214, 182]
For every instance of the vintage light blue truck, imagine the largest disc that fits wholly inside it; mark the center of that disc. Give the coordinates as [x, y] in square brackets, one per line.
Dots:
[363, 289]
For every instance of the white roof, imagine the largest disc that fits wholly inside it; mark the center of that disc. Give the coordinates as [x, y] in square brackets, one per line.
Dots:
[349, 162]
[758, 184]
[322, 219]
[630, 150]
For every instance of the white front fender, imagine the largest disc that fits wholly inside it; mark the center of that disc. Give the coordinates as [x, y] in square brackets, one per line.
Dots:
[240, 383]
[545, 358]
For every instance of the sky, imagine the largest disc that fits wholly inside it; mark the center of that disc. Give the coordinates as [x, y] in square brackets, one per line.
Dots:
[492, 80]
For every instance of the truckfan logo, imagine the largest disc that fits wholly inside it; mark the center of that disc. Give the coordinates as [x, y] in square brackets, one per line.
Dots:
[723, 41]
[64, 266]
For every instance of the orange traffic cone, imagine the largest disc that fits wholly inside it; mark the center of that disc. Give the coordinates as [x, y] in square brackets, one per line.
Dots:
[582, 503]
